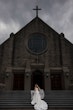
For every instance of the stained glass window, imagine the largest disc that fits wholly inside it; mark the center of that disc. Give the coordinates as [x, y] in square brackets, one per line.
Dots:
[37, 43]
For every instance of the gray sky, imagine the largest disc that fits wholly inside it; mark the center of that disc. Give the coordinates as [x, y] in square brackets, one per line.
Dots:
[15, 14]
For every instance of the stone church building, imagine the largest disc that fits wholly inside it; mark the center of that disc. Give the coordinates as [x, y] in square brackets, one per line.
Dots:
[36, 54]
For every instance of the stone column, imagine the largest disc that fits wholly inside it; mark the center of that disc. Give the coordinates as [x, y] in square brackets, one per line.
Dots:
[65, 51]
[7, 52]
[66, 77]
[8, 79]
[7, 60]
[47, 80]
[47, 74]
[27, 84]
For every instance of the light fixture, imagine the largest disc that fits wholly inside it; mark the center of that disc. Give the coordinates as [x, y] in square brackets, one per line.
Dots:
[47, 75]
[27, 74]
[67, 74]
[7, 75]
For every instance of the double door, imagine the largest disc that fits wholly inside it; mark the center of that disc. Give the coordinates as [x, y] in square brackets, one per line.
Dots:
[18, 81]
[56, 81]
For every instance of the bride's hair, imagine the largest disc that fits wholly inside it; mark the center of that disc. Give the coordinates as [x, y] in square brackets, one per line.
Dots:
[36, 85]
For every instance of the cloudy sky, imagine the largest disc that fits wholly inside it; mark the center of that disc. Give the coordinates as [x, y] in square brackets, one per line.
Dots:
[15, 14]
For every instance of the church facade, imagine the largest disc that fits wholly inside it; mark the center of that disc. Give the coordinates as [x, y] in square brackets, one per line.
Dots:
[36, 54]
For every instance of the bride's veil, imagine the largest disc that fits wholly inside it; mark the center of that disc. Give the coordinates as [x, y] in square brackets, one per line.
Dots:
[42, 94]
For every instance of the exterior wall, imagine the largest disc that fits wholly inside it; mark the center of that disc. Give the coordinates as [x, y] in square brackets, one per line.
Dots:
[71, 68]
[16, 54]
[1, 54]
[66, 60]
[6, 61]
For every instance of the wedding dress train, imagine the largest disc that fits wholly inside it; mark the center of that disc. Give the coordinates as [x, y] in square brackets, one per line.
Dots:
[38, 103]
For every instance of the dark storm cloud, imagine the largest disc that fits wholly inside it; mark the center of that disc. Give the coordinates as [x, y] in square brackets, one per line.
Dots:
[59, 16]
[14, 14]
[14, 10]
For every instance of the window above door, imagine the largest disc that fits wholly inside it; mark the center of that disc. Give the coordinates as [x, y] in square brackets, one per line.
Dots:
[37, 43]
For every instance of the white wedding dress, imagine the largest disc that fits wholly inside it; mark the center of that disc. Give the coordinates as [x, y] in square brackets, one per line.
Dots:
[38, 103]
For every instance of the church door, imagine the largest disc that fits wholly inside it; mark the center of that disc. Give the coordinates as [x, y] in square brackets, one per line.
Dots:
[37, 78]
[56, 81]
[18, 83]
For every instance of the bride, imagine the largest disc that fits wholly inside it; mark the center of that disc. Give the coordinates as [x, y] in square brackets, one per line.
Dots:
[38, 103]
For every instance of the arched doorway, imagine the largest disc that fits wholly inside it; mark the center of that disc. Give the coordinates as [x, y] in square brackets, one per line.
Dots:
[37, 78]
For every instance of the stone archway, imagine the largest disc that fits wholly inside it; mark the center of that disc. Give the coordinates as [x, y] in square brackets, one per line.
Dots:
[37, 78]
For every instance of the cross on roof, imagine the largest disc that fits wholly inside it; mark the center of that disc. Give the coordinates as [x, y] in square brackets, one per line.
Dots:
[37, 9]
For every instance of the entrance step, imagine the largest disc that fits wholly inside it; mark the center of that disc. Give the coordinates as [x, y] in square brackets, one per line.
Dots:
[21, 100]
[59, 98]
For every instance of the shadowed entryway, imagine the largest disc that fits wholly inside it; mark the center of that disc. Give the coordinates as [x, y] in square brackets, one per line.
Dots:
[37, 78]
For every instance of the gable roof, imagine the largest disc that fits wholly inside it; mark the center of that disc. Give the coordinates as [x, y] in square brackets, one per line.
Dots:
[36, 19]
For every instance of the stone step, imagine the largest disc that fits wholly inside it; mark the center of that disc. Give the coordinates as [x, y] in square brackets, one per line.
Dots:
[22, 99]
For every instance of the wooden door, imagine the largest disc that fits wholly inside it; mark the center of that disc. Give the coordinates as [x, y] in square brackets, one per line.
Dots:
[56, 81]
[18, 83]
